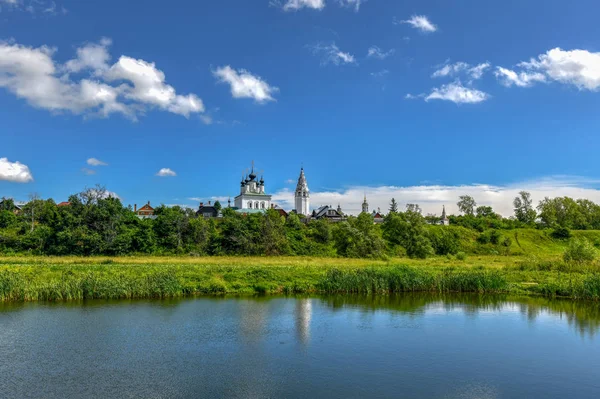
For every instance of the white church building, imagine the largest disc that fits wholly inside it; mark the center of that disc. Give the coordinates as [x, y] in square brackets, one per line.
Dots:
[252, 195]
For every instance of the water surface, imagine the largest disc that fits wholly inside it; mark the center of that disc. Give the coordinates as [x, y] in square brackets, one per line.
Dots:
[413, 346]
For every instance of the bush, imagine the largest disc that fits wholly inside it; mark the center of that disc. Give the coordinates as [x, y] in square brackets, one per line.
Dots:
[490, 237]
[461, 256]
[561, 233]
[580, 251]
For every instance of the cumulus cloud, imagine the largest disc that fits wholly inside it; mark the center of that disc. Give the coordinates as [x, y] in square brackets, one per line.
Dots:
[457, 93]
[332, 54]
[166, 172]
[579, 68]
[293, 5]
[522, 79]
[473, 72]
[376, 52]
[15, 172]
[245, 85]
[420, 22]
[33, 75]
[96, 162]
[92, 56]
[431, 198]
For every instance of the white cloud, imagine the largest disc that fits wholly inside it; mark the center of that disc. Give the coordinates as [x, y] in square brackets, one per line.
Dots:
[431, 198]
[96, 162]
[420, 22]
[44, 7]
[293, 5]
[380, 74]
[458, 94]
[166, 172]
[93, 56]
[14, 172]
[32, 74]
[245, 85]
[474, 72]
[352, 3]
[376, 52]
[522, 79]
[149, 87]
[332, 54]
[88, 172]
[579, 68]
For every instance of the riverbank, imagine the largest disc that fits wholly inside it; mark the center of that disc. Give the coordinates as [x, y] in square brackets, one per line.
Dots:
[74, 278]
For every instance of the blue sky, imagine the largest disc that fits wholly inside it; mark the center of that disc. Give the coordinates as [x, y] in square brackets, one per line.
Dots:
[392, 97]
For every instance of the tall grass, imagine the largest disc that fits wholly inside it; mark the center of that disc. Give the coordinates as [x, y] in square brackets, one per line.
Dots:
[52, 279]
[404, 278]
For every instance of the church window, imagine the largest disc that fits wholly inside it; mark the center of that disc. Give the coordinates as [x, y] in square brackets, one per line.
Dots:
[250, 205]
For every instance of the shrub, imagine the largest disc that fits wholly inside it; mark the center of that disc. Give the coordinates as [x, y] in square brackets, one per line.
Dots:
[490, 237]
[580, 251]
[561, 233]
[461, 256]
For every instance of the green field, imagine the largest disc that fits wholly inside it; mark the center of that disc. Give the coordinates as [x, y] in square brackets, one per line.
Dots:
[533, 266]
[70, 278]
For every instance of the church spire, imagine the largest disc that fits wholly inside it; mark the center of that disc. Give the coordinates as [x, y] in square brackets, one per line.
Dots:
[302, 194]
[365, 204]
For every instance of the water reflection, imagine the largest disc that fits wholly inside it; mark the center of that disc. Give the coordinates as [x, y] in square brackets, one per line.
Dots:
[410, 345]
[583, 316]
[303, 311]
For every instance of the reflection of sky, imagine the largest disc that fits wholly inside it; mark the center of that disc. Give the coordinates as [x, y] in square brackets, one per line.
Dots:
[347, 346]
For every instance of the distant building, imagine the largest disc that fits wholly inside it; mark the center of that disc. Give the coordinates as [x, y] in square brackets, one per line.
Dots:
[252, 197]
[302, 195]
[444, 221]
[145, 212]
[327, 212]
[365, 205]
[208, 211]
[279, 209]
[64, 203]
[377, 216]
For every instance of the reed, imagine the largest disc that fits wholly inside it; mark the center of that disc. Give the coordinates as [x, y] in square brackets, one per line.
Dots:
[60, 279]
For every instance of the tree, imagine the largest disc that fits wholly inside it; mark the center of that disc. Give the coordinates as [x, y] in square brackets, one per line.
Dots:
[466, 205]
[413, 208]
[7, 204]
[393, 206]
[218, 205]
[524, 211]
[485, 212]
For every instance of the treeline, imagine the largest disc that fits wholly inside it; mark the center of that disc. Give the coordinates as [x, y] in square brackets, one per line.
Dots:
[96, 224]
[550, 213]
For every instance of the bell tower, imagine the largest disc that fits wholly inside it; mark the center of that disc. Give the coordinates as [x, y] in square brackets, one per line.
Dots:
[302, 195]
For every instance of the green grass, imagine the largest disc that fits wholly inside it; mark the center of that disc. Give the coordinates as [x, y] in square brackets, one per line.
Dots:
[73, 278]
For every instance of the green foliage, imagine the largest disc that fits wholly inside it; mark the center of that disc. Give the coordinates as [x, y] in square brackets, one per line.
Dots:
[358, 237]
[444, 240]
[561, 233]
[580, 251]
[461, 256]
[524, 211]
[407, 229]
[393, 206]
[466, 205]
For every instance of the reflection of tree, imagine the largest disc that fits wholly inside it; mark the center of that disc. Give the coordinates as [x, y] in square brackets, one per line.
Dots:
[581, 315]
[303, 315]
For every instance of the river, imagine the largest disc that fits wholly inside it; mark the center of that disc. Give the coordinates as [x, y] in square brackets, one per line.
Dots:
[409, 346]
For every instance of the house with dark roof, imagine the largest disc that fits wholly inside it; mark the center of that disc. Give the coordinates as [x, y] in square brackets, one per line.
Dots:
[329, 213]
[208, 211]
